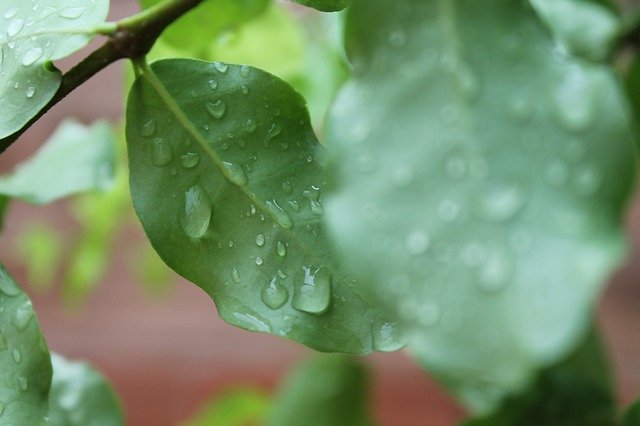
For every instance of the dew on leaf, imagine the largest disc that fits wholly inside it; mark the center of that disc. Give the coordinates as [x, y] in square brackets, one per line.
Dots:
[31, 56]
[217, 109]
[274, 294]
[23, 384]
[213, 84]
[259, 260]
[149, 128]
[313, 195]
[260, 240]
[195, 216]
[221, 67]
[280, 215]
[71, 12]
[235, 276]
[14, 27]
[30, 92]
[236, 174]
[190, 160]
[312, 290]
[11, 12]
[274, 131]
[501, 201]
[496, 272]
[251, 126]
[448, 210]
[16, 356]
[22, 316]
[281, 249]
[160, 152]
[573, 99]
[245, 71]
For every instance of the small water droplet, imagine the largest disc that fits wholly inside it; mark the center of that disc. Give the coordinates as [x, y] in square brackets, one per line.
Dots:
[245, 71]
[467, 81]
[149, 128]
[294, 205]
[236, 174]
[22, 316]
[251, 126]
[260, 240]
[31, 56]
[312, 292]
[235, 276]
[213, 85]
[574, 100]
[190, 160]
[160, 152]
[313, 195]
[230, 243]
[14, 27]
[280, 215]
[500, 201]
[22, 383]
[496, 272]
[196, 214]
[30, 92]
[587, 180]
[287, 187]
[217, 109]
[16, 356]
[281, 249]
[71, 12]
[274, 294]
[274, 131]
[244, 89]
[417, 242]
[259, 261]
[221, 67]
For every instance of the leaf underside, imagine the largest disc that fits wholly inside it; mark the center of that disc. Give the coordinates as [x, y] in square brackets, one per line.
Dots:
[481, 174]
[227, 179]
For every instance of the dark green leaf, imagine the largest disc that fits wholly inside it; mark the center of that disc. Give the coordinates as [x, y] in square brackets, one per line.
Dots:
[577, 391]
[199, 27]
[76, 159]
[238, 407]
[35, 33]
[632, 415]
[325, 5]
[80, 396]
[25, 366]
[331, 390]
[227, 179]
[4, 207]
[481, 176]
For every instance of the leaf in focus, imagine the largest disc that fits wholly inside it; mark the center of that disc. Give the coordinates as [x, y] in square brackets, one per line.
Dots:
[632, 415]
[75, 159]
[584, 28]
[577, 391]
[480, 176]
[34, 34]
[325, 5]
[197, 28]
[237, 407]
[40, 248]
[25, 366]
[330, 390]
[227, 179]
[80, 396]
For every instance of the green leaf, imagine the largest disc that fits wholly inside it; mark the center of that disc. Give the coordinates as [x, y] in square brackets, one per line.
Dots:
[35, 33]
[40, 248]
[325, 5]
[25, 366]
[4, 207]
[585, 28]
[227, 179]
[480, 180]
[75, 159]
[200, 26]
[331, 390]
[80, 396]
[577, 391]
[632, 415]
[237, 407]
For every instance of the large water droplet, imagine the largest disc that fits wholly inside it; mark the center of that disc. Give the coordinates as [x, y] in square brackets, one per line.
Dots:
[190, 160]
[385, 338]
[161, 153]
[71, 12]
[31, 56]
[501, 201]
[274, 294]
[251, 126]
[236, 174]
[312, 292]
[196, 215]
[14, 27]
[149, 128]
[280, 215]
[221, 67]
[313, 195]
[260, 240]
[22, 316]
[281, 249]
[217, 109]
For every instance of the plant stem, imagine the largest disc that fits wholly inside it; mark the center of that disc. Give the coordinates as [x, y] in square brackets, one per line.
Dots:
[131, 38]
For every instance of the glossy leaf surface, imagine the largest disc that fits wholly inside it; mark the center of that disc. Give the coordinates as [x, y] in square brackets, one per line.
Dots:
[325, 5]
[227, 179]
[75, 159]
[481, 175]
[80, 396]
[331, 390]
[34, 34]
[25, 366]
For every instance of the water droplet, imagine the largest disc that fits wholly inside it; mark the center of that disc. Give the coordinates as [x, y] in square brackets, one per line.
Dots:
[294, 205]
[22, 316]
[235, 276]
[230, 243]
[274, 294]
[312, 290]
[11, 12]
[190, 160]
[313, 195]
[14, 27]
[259, 261]
[501, 201]
[160, 152]
[149, 128]
[217, 109]
[385, 339]
[496, 272]
[252, 320]
[22, 383]
[274, 131]
[280, 215]
[236, 174]
[213, 85]
[573, 99]
[221, 67]
[245, 71]
[196, 215]
[16, 356]
[281, 249]
[448, 210]
[7, 286]
[31, 56]
[251, 126]
[587, 180]
[417, 242]
[71, 12]
[30, 92]
[260, 240]
[244, 89]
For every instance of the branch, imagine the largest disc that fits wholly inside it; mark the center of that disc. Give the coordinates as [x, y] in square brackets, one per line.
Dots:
[133, 38]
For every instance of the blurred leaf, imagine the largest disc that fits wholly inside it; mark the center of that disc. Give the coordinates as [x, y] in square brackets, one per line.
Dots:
[151, 271]
[40, 249]
[584, 27]
[325, 5]
[225, 169]
[80, 396]
[633, 85]
[578, 391]
[480, 182]
[4, 207]
[238, 407]
[197, 28]
[38, 33]
[632, 415]
[330, 390]
[25, 366]
[75, 159]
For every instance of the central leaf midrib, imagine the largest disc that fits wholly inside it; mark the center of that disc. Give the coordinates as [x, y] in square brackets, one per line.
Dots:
[182, 118]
